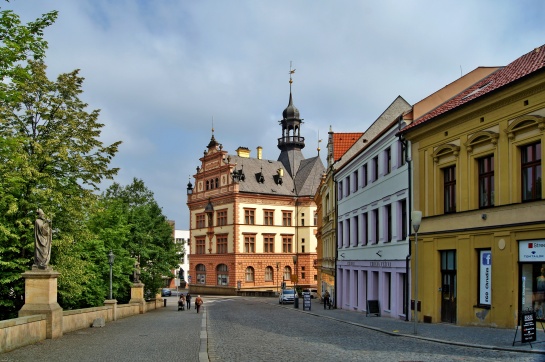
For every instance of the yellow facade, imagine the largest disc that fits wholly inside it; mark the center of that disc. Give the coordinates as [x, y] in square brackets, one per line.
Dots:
[500, 125]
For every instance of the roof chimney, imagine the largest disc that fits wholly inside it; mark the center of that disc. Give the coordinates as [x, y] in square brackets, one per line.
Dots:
[259, 152]
[243, 152]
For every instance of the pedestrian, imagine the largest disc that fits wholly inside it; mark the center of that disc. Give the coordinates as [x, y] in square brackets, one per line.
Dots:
[198, 303]
[181, 302]
[326, 299]
[188, 300]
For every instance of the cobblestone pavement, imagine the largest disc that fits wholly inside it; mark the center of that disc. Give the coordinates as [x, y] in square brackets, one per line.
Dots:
[159, 335]
[258, 329]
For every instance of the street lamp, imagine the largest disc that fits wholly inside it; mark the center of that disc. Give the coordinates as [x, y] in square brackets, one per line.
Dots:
[277, 275]
[416, 219]
[296, 295]
[111, 258]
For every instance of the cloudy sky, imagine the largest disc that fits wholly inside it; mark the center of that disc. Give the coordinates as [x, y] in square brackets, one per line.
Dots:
[163, 72]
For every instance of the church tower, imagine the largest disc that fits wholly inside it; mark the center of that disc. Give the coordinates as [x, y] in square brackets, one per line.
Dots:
[291, 143]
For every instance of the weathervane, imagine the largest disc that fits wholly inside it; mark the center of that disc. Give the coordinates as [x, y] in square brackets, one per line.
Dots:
[291, 72]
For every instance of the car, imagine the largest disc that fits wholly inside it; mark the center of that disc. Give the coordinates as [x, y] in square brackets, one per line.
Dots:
[165, 292]
[313, 292]
[286, 296]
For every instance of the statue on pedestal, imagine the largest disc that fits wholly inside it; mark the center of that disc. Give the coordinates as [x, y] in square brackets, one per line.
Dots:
[136, 276]
[42, 240]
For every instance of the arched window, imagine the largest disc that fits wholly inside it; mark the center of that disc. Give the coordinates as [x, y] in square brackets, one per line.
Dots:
[201, 273]
[249, 274]
[287, 273]
[269, 274]
[223, 274]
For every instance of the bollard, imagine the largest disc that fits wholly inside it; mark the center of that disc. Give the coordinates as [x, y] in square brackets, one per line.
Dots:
[296, 302]
[165, 302]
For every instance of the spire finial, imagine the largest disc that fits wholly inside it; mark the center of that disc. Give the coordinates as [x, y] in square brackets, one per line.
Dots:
[291, 72]
[212, 125]
[319, 141]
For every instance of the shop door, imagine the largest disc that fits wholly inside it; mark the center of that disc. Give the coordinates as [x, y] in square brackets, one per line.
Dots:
[448, 286]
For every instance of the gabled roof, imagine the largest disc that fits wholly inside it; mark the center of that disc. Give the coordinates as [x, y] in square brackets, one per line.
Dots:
[342, 142]
[523, 66]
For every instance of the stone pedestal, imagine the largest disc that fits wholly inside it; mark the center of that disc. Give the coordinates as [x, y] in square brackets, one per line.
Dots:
[112, 304]
[137, 296]
[41, 298]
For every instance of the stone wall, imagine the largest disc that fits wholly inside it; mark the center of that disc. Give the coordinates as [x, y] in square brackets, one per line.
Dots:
[22, 331]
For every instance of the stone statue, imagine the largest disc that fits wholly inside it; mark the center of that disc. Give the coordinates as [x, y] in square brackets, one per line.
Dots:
[136, 276]
[42, 240]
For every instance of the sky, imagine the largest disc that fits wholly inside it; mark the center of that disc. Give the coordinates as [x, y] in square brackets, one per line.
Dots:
[164, 73]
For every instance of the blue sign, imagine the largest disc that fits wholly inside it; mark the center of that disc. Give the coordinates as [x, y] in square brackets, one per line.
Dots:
[487, 258]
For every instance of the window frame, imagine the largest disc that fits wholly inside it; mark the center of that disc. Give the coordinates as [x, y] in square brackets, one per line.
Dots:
[449, 189]
[536, 170]
[485, 169]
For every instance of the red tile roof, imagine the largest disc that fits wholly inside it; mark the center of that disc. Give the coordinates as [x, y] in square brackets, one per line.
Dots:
[523, 66]
[342, 142]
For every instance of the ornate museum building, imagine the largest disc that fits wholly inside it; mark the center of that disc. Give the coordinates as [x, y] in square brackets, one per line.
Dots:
[253, 221]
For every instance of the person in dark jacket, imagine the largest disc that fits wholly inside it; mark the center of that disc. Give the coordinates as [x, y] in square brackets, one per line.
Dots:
[188, 300]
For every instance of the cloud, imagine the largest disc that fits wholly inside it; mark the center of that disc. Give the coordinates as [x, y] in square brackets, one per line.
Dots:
[161, 70]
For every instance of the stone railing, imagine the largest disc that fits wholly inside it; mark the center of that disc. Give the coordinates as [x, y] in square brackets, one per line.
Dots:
[22, 331]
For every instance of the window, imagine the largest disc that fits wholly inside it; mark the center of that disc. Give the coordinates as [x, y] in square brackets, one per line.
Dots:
[249, 274]
[486, 182]
[201, 248]
[249, 243]
[287, 273]
[375, 168]
[249, 216]
[201, 273]
[223, 274]
[355, 231]
[303, 275]
[376, 219]
[388, 160]
[269, 274]
[221, 244]
[449, 177]
[531, 172]
[315, 218]
[286, 218]
[355, 181]
[286, 244]
[347, 186]
[365, 227]
[388, 212]
[364, 175]
[346, 242]
[340, 190]
[268, 217]
[268, 243]
[404, 231]
[201, 219]
[221, 217]
[388, 290]
[401, 153]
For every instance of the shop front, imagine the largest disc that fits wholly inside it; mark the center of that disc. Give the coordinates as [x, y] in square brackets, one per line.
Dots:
[532, 277]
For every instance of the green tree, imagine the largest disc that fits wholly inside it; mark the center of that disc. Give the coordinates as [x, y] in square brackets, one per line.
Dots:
[51, 157]
[150, 239]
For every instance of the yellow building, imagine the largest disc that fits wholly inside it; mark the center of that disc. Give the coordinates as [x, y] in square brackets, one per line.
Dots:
[478, 182]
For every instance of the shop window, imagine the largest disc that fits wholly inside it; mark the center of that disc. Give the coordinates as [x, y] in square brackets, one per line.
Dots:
[201, 273]
[223, 274]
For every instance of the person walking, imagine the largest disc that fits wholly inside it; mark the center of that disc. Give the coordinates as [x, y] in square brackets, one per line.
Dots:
[326, 299]
[198, 303]
[188, 300]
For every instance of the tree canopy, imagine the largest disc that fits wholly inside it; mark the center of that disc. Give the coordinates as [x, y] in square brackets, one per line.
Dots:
[52, 157]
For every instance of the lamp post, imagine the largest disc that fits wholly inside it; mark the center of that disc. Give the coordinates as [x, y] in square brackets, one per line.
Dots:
[416, 219]
[296, 295]
[277, 275]
[111, 258]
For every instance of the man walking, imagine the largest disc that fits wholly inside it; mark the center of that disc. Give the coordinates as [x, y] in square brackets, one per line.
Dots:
[188, 300]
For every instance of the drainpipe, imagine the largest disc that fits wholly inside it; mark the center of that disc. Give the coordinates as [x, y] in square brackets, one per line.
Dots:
[409, 208]
[336, 245]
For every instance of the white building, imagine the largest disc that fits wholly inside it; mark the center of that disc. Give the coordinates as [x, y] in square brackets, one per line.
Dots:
[182, 237]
